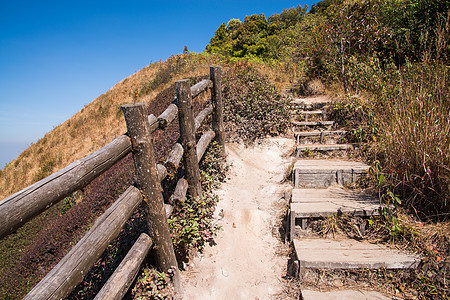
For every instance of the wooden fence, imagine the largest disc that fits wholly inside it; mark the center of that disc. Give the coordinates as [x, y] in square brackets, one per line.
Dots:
[19, 208]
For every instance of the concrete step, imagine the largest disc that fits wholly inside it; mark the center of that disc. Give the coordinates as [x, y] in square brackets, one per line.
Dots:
[322, 173]
[311, 112]
[323, 147]
[319, 133]
[312, 102]
[342, 295]
[313, 123]
[328, 136]
[307, 204]
[306, 115]
[350, 254]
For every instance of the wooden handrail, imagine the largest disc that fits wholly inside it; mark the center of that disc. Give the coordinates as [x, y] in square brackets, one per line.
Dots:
[200, 87]
[202, 115]
[203, 143]
[70, 271]
[120, 281]
[22, 206]
[19, 208]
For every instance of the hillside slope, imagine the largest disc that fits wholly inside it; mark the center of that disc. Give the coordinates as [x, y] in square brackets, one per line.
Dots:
[98, 123]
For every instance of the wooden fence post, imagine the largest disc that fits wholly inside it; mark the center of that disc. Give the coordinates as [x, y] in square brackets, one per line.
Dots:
[187, 132]
[216, 98]
[147, 181]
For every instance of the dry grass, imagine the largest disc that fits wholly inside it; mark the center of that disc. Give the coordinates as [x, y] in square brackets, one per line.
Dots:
[93, 127]
[414, 140]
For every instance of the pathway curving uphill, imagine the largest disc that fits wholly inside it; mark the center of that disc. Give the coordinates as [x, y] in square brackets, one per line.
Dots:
[249, 259]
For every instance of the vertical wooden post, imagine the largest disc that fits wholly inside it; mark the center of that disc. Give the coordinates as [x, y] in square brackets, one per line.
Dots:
[148, 183]
[216, 98]
[187, 132]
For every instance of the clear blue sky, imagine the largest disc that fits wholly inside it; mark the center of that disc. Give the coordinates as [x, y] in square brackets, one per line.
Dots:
[57, 56]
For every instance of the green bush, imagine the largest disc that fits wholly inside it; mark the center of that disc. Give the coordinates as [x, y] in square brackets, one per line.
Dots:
[253, 107]
[406, 124]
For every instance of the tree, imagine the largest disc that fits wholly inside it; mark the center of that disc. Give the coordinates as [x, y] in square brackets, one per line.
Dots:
[353, 30]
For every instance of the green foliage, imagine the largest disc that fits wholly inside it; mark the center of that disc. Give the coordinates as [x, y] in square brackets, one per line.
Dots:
[355, 115]
[414, 27]
[405, 127]
[191, 223]
[257, 36]
[253, 107]
[153, 285]
[67, 204]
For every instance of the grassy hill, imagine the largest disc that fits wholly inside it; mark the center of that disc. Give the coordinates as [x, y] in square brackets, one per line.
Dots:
[97, 124]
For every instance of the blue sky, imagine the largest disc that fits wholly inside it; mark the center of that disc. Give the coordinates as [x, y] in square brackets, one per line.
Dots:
[57, 56]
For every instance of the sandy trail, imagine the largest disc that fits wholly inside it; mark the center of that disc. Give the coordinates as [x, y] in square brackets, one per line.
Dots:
[246, 262]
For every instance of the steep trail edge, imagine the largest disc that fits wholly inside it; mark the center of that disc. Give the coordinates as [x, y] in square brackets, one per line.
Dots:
[249, 259]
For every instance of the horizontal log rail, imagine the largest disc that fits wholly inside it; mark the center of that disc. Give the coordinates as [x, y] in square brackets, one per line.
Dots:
[24, 205]
[168, 116]
[19, 208]
[118, 284]
[200, 87]
[202, 115]
[203, 143]
[70, 271]
[174, 159]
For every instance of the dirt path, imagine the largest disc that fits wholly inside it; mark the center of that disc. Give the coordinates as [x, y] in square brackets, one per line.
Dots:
[248, 261]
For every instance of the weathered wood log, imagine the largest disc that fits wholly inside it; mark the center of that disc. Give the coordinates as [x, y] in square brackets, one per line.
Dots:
[203, 143]
[179, 195]
[200, 87]
[216, 98]
[167, 116]
[120, 281]
[202, 115]
[17, 209]
[174, 159]
[153, 122]
[162, 172]
[168, 209]
[148, 182]
[70, 271]
[187, 133]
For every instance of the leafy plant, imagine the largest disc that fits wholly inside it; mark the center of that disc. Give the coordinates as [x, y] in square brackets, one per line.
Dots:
[67, 204]
[153, 285]
[387, 199]
[191, 223]
[253, 107]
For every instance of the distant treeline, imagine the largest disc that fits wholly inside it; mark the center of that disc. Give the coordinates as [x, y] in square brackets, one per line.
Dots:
[338, 31]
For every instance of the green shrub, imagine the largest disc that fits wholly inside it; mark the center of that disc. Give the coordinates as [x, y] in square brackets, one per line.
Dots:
[253, 107]
[191, 223]
[152, 284]
[406, 127]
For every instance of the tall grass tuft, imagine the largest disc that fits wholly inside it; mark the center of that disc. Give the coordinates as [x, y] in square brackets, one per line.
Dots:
[404, 127]
[414, 140]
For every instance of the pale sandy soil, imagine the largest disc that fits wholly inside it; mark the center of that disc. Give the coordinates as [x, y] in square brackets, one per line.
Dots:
[249, 259]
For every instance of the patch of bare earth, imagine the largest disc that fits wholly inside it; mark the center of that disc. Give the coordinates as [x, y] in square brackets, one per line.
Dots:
[249, 259]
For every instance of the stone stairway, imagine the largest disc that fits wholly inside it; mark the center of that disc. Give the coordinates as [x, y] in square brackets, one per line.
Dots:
[312, 130]
[319, 192]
